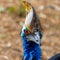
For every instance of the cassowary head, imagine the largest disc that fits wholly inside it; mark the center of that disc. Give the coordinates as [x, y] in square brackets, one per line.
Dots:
[32, 21]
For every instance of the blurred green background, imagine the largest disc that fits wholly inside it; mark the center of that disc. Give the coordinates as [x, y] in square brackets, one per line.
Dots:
[12, 17]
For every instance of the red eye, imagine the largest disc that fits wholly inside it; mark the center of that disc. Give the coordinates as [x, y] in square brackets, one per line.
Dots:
[27, 32]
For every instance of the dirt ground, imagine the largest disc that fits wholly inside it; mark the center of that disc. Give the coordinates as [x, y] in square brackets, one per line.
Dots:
[11, 47]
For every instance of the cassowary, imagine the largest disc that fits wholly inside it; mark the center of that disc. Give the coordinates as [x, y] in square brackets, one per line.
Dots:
[55, 57]
[31, 34]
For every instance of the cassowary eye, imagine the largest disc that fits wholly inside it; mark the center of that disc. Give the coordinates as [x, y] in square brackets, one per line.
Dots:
[27, 32]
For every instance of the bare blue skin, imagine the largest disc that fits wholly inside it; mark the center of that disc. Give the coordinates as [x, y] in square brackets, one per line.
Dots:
[32, 51]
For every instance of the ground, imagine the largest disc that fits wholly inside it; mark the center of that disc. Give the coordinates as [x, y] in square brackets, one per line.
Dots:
[11, 47]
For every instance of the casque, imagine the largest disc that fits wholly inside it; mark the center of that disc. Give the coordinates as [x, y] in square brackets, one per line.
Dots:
[32, 21]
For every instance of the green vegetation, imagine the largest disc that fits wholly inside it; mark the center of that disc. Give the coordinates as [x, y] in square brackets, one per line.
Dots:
[2, 9]
[11, 9]
[3, 35]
